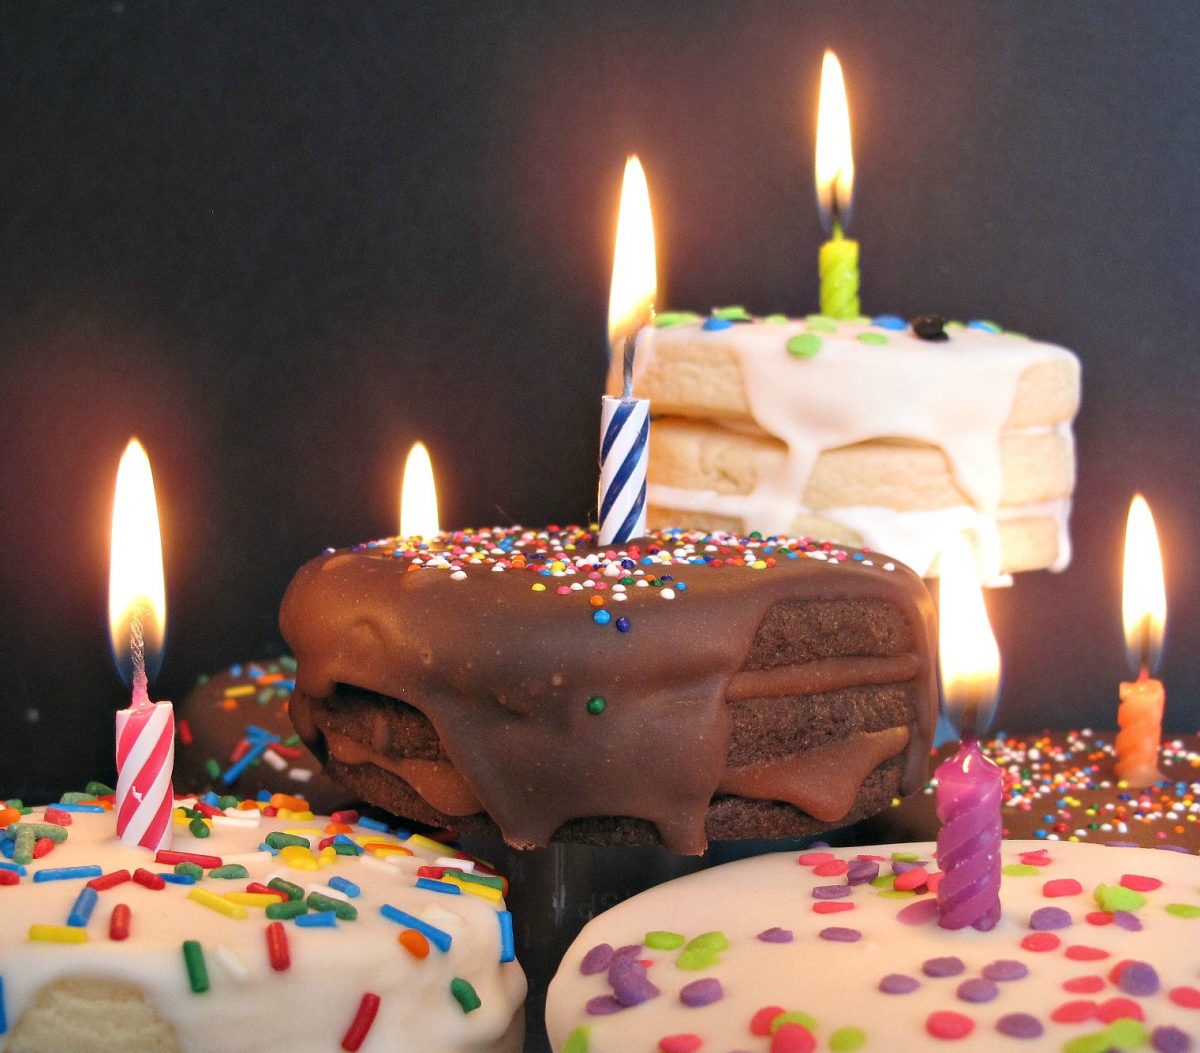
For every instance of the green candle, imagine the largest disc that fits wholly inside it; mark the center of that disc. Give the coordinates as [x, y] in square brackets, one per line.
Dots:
[838, 264]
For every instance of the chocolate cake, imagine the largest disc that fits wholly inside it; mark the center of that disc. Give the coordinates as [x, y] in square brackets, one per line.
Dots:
[686, 687]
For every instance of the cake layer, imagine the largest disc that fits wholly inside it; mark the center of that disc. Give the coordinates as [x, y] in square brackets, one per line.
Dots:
[1094, 950]
[514, 673]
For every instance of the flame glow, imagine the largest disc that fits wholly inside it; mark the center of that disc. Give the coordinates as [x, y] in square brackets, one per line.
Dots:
[969, 657]
[634, 275]
[418, 495]
[1143, 597]
[835, 155]
[135, 570]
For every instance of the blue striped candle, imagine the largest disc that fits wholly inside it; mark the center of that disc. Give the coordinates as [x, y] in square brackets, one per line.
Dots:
[624, 455]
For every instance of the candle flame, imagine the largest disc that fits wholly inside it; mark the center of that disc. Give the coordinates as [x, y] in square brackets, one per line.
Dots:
[418, 496]
[135, 574]
[634, 281]
[1143, 598]
[969, 657]
[835, 155]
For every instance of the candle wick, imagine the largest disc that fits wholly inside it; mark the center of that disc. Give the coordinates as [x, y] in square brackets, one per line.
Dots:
[1144, 672]
[137, 651]
[630, 348]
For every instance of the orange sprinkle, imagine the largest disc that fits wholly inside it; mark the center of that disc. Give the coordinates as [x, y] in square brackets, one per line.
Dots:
[415, 943]
[292, 804]
[9, 815]
[596, 601]
[229, 704]
[270, 678]
[337, 828]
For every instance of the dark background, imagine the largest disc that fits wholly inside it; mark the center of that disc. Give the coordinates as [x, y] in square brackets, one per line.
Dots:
[281, 242]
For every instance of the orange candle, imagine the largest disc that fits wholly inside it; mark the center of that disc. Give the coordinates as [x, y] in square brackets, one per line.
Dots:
[1144, 611]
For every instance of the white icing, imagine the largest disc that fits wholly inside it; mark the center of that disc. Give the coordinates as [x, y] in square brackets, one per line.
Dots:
[837, 983]
[956, 395]
[250, 1007]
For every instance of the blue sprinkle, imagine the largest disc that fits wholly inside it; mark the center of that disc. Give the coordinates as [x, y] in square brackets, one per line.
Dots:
[681, 586]
[624, 625]
[647, 560]
[177, 879]
[349, 888]
[438, 937]
[628, 564]
[401, 833]
[713, 324]
[889, 321]
[859, 556]
[211, 799]
[81, 913]
[13, 866]
[372, 824]
[320, 919]
[79, 807]
[67, 873]
[254, 672]
[6, 847]
[987, 327]
[508, 952]
[264, 847]
[263, 795]
[248, 758]
[235, 670]
[286, 685]
[257, 734]
[601, 617]
[342, 839]
[444, 887]
[1040, 833]
[3, 1015]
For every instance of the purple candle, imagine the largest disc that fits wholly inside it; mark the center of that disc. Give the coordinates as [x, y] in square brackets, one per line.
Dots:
[969, 786]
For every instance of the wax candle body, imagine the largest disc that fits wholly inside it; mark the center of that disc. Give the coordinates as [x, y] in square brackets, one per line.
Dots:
[968, 844]
[838, 265]
[145, 758]
[624, 456]
[1140, 719]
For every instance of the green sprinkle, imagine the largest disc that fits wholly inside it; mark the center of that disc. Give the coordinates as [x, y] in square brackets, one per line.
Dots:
[596, 705]
[482, 879]
[228, 801]
[199, 828]
[193, 958]
[579, 1040]
[876, 340]
[793, 1017]
[861, 319]
[883, 881]
[464, 994]
[265, 695]
[1127, 1033]
[1116, 897]
[627, 581]
[73, 797]
[282, 692]
[293, 892]
[824, 328]
[709, 941]
[286, 911]
[292, 740]
[896, 893]
[1095, 1042]
[230, 871]
[819, 318]
[19, 805]
[732, 314]
[344, 911]
[192, 870]
[669, 319]
[340, 848]
[278, 839]
[212, 769]
[287, 662]
[1183, 910]
[953, 326]
[693, 959]
[191, 813]
[776, 319]
[23, 845]
[847, 1039]
[804, 345]
[98, 789]
[906, 857]
[661, 940]
[57, 834]
[1020, 870]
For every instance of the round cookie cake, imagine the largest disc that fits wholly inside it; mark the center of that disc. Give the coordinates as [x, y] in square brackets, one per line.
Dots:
[862, 431]
[786, 953]
[276, 930]
[684, 687]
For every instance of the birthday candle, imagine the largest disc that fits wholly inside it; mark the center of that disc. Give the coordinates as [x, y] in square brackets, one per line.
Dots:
[837, 261]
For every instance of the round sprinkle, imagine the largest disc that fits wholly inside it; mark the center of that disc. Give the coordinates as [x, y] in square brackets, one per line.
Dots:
[793, 1038]
[949, 1025]
[874, 339]
[661, 940]
[624, 625]
[1040, 941]
[601, 616]
[597, 960]
[1187, 997]
[1119, 1009]
[831, 891]
[760, 1023]
[701, 992]
[1183, 910]
[929, 326]
[1084, 984]
[1140, 883]
[795, 1016]
[1019, 1025]
[1079, 953]
[939, 967]
[602, 1005]
[1061, 887]
[629, 982]
[465, 994]
[1168, 1039]
[889, 321]
[804, 345]
[680, 1043]
[1074, 1012]
[596, 705]
[837, 934]
[1128, 922]
[1046, 918]
[1005, 969]
[977, 989]
[847, 1039]
[898, 983]
[776, 935]
[812, 859]
[1139, 979]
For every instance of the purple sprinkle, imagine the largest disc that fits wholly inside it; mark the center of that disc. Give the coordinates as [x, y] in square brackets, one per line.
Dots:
[702, 992]
[818, 844]
[1120, 844]
[1046, 918]
[898, 983]
[1170, 1040]
[776, 935]
[597, 960]
[1138, 979]
[939, 967]
[1174, 848]
[630, 950]
[862, 871]
[1123, 919]
[919, 912]
[840, 935]
[977, 989]
[1019, 1025]
[630, 984]
[603, 1005]
[831, 892]
[903, 866]
[1004, 969]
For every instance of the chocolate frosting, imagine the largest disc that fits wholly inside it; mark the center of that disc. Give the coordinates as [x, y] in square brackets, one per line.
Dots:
[504, 672]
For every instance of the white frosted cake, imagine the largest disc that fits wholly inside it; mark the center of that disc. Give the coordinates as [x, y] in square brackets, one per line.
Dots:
[862, 432]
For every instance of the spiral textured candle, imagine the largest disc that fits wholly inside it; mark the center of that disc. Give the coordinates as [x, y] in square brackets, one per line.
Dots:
[624, 455]
[969, 788]
[838, 265]
[1140, 718]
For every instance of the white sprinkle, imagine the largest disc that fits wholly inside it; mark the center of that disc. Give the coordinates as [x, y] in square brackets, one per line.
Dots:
[273, 759]
[613, 570]
[238, 823]
[618, 587]
[667, 594]
[332, 893]
[889, 566]
[300, 774]
[619, 597]
[643, 583]
[231, 963]
[497, 569]
[576, 587]
[459, 575]
[867, 563]
[467, 866]
[589, 584]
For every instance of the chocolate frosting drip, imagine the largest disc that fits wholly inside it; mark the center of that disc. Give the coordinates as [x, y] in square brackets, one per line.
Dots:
[504, 675]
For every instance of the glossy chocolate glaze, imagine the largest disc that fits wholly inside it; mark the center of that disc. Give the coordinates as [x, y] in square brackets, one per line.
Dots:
[504, 673]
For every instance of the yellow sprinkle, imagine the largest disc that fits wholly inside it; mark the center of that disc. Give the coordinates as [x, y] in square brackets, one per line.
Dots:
[760, 564]
[537, 586]
[428, 842]
[215, 902]
[288, 813]
[492, 895]
[251, 899]
[240, 691]
[387, 850]
[328, 856]
[58, 934]
[297, 858]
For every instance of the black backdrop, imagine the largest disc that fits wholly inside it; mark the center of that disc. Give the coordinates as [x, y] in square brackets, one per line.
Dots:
[281, 242]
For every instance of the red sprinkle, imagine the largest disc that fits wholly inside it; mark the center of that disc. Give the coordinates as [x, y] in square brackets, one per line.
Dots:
[1078, 952]
[239, 751]
[911, 880]
[1084, 984]
[107, 881]
[185, 731]
[945, 1024]
[680, 1043]
[1114, 974]
[1140, 883]
[1061, 887]
[811, 859]
[1037, 858]
[1041, 941]
[935, 879]
[1074, 1012]
[760, 1023]
[1099, 917]
[118, 924]
[831, 906]
[1188, 997]
[831, 869]
[58, 817]
[9, 877]
[793, 1038]
[144, 877]
[207, 809]
[361, 1024]
[1119, 1009]
[43, 846]
[264, 890]
[431, 871]
[171, 857]
[277, 947]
